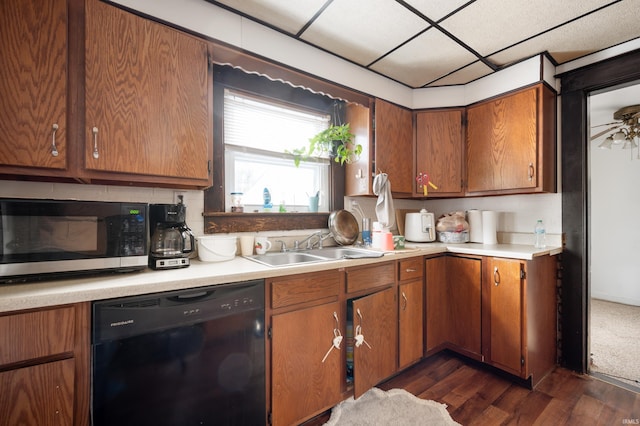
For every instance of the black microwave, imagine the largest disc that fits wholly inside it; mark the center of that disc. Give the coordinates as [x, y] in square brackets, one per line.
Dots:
[42, 238]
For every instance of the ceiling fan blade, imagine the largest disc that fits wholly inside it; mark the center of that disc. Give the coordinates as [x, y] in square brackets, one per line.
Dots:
[597, 135]
[607, 124]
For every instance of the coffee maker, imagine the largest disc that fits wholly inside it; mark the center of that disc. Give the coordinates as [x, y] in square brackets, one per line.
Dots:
[171, 239]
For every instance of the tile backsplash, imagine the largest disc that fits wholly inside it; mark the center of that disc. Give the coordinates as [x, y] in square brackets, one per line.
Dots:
[194, 199]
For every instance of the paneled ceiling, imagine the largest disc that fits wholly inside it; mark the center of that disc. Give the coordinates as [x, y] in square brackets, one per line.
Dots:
[428, 43]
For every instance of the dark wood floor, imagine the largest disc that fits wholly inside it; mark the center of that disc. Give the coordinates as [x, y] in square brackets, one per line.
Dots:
[476, 396]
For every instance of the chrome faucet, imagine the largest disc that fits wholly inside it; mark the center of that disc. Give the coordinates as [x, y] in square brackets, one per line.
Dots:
[296, 243]
[283, 247]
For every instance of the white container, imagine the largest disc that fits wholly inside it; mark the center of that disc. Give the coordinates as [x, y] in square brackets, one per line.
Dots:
[216, 248]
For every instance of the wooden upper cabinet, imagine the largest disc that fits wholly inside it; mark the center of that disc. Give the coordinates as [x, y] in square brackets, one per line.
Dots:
[440, 152]
[511, 143]
[148, 100]
[33, 85]
[358, 175]
[394, 146]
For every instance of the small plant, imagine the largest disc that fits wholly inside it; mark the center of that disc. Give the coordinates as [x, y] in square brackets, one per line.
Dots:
[335, 140]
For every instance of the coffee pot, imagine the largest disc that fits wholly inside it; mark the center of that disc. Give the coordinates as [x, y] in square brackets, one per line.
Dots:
[172, 241]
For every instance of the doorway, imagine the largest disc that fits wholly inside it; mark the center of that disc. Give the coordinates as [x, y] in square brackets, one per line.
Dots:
[614, 241]
[576, 86]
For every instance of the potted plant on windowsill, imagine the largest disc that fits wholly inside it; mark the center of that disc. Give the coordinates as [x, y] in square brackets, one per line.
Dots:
[335, 140]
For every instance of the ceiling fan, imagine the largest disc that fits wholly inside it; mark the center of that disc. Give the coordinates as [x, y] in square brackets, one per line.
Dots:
[627, 126]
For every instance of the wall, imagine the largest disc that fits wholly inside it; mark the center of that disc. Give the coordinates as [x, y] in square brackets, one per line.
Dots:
[69, 191]
[614, 233]
[517, 214]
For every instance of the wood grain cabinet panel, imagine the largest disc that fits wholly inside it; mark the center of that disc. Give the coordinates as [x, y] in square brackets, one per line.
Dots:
[45, 366]
[377, 315]
[40, 395]
[148, 100]
[440, 152]
[50, 332]
[520, 315]
[410, 322]
[394, 146]
[302, 383]
[511, 143]
[453, 304]
[33, 85]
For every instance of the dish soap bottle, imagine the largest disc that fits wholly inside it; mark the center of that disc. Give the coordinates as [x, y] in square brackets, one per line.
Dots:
[266, 197]
[539, 235]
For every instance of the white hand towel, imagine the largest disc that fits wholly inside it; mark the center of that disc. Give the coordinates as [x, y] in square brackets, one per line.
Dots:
[384, 206]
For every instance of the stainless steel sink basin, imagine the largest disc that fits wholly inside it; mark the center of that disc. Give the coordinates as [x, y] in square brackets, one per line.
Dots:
[286, 259]
[309, 256]
[334, 253]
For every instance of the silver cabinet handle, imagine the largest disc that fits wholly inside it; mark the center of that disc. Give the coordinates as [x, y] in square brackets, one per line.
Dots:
[96, 154]
[410, 270]
[496, 276]
[531, 171]
[54, 149]
[406, 301]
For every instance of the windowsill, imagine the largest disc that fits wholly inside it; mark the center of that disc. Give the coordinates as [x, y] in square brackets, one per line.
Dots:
[215, 223]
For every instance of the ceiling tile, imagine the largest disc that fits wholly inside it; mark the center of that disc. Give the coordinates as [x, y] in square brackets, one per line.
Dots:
[578, 38]
[289, 16]
[469, 73]
[488, 26]
[424, 59]
[363, 30]
[436, 10]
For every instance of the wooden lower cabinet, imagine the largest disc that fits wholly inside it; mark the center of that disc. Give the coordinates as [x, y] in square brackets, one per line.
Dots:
[42, 394]
[44, 366]
[376, 358]
[410, 312]
[520, 315]
[453, 304]
[302, 384]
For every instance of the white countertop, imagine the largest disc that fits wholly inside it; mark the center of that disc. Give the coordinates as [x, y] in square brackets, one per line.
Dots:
[14, 297]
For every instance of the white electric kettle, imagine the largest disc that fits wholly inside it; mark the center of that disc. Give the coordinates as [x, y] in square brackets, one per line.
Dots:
[420, 227]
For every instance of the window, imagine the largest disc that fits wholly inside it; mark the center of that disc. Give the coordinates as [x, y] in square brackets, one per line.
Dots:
[257, 133]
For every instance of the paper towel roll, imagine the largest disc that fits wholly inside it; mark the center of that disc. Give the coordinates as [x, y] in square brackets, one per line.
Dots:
[474, 217]
[489, 227]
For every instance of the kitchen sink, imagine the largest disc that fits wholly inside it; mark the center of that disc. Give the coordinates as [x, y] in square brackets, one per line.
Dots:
[286, 259]
[334, 253]
[314, 255]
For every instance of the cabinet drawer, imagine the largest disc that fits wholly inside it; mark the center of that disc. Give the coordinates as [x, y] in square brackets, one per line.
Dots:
[410, 269]
[304, 288]
[370, 277]
[36, 334]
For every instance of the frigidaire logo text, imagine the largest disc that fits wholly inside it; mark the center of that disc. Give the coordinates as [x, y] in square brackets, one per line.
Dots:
[121, 323]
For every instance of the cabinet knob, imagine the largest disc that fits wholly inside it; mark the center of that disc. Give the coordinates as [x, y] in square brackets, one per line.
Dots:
[406, 301]
[96, 154]
[54, 149]
[496, 276]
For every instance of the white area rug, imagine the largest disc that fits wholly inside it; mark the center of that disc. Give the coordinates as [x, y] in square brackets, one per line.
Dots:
[394, 407]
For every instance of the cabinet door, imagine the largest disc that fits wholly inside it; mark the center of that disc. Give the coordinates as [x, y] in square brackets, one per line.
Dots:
[454, 304]
[358, 176]
[439, 151]
[505, 287]
[38, 395]
[147, 99]
[375, 360]
[502, 143]
[411, 332]
[302, 384]
[33, 83]
[394, 145]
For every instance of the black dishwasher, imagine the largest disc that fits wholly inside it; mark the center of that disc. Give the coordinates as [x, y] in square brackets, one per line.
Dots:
[191, 357]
